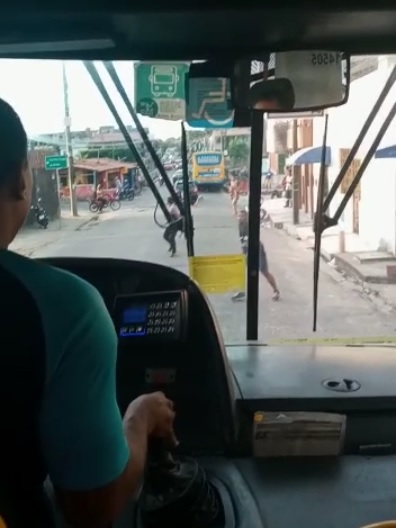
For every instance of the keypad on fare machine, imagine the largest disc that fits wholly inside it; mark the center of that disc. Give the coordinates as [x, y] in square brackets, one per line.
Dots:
[161, 317]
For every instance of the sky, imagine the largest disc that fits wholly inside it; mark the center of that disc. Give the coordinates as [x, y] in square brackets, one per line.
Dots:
[35, 89]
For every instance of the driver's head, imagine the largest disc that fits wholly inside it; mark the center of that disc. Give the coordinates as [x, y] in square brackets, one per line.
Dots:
[15, 176]
[268, 105]
[272, 95]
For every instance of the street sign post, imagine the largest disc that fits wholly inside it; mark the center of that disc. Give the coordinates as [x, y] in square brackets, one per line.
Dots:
[55, 162]
[208, 103]
[160, 89]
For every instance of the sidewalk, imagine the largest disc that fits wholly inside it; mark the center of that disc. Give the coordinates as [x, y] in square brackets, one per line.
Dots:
[360, 263]
[282, 218]
[32, 238]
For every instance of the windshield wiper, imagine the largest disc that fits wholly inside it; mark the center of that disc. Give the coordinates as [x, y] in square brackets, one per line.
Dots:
[188, 219]
[318, 223]
[94, 74]
[143, 134]
[359, 140]
[324, 221]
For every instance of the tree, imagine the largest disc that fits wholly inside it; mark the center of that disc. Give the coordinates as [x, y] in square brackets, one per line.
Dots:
[196, 135]
[238, 152]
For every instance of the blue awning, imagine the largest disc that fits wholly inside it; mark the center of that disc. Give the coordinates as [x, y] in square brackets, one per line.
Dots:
[386, 152]
[308, 156]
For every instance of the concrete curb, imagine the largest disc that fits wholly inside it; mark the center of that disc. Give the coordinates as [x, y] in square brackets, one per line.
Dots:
[342, 270]
[349, 269]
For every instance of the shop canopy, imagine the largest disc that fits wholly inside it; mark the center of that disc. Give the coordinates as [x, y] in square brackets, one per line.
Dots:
[386, 152]
[309, 156]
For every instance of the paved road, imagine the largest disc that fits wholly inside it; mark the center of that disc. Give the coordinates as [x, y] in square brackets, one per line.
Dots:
[131, 233]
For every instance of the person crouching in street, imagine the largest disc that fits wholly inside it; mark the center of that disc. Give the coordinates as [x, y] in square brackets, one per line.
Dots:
[173, 227]
[243, 225]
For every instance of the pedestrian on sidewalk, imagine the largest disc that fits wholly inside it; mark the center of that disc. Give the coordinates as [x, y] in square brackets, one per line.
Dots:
[243, 225]
[288, 188]
[268, 177]
[173, 227]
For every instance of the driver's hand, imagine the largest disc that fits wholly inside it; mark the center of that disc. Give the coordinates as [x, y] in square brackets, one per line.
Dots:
[157, 414]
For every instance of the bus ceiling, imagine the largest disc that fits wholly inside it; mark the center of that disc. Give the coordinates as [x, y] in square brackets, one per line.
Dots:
[123, 30]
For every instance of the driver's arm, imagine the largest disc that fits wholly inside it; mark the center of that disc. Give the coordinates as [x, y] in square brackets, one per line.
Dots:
[86, 449]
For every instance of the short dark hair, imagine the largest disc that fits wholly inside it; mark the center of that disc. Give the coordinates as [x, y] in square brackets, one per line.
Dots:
[13, 143]
[280, 90]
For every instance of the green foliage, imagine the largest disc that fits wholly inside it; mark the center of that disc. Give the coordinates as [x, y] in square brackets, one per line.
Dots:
[238, 152]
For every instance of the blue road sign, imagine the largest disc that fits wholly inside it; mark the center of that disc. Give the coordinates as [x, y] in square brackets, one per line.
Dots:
[208, 103]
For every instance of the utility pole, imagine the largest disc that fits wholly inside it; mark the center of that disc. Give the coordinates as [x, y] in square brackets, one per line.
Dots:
[265, 137]
[69, 146]
[296, 178]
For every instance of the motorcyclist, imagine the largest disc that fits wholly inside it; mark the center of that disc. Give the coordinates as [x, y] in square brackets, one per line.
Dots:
[99, 197]
[124, 189]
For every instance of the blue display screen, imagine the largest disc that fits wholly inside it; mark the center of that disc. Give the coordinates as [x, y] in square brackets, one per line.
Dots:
[134, 314]
[134, 319]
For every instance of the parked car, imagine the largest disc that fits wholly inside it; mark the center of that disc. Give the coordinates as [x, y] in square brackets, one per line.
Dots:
[169, 165]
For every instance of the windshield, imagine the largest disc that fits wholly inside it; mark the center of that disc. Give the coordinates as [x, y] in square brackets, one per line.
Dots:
[64, 113]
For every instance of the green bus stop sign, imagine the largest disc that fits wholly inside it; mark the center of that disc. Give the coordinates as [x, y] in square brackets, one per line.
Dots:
[160, 89]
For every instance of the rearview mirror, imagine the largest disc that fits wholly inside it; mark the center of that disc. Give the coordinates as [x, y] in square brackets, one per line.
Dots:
[292, 81]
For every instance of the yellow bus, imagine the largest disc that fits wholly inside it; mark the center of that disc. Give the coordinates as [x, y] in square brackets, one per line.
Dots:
[208, 170]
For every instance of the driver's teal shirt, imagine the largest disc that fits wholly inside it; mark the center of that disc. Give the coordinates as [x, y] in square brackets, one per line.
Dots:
[81, 428]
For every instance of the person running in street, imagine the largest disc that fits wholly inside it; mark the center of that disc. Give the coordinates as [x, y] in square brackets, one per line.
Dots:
[234, 194]
[174, 226]
[243, 225]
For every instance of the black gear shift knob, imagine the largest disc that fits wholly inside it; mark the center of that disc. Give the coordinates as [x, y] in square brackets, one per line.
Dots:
[158, 453]
[161, 468]
[175, 492]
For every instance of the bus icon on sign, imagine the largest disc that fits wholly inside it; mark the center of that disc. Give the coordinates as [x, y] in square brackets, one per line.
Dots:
[163, 80]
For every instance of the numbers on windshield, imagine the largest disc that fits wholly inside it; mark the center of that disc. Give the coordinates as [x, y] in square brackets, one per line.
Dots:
[324, 59]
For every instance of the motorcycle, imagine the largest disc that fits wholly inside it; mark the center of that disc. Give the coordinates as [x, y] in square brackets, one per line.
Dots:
[126, 194]
[96, 205]
[40, 214]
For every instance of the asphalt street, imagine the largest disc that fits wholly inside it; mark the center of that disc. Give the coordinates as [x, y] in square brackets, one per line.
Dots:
[344, 310]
